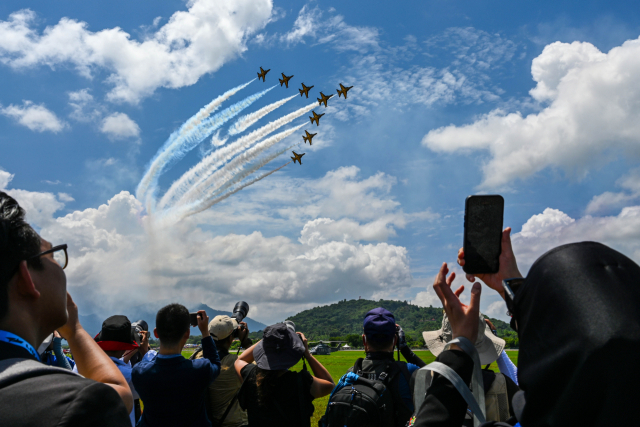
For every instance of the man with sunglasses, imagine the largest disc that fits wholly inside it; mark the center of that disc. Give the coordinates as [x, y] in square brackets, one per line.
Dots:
[33, 303]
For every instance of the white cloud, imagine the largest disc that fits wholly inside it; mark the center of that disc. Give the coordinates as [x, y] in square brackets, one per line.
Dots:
[119, 126]
[591, 116]
[609, 201]
[496, 309]
[84, 108]
[427, 298]
[191, 44]
[65, 197]
[36, 117]
[5, 179]
[40, 207]
[553, 228]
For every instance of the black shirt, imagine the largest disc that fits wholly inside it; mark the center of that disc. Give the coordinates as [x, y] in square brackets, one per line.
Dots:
[282, 405]
[59, 400]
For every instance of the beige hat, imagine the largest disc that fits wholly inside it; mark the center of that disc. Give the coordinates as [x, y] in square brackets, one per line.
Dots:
[222, 326]
[488, 345]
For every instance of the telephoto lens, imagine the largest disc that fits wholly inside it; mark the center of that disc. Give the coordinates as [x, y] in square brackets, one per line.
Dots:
[137, 327]
[240, 311]
[290, 325]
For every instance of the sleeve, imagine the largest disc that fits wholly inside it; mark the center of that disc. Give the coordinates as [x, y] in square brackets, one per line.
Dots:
[411, 357]
[507, 367]
[96, 405]
[149, 355]
[444, 406]
[61, 360]
[246, 370]
[210, 353]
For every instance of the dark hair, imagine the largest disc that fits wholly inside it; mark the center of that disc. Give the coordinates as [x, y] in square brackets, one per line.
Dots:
[172, 321]
[18, 241]
[379, 342]
[266, 384]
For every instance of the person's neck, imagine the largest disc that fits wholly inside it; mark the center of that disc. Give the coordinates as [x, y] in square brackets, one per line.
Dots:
[380, 355]
[25, 328]
[170, 350]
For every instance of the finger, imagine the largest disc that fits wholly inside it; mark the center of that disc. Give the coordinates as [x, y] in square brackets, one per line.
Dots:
[459, 291]
[461, 257]
[470, 277]
[451, 278]
[506, 241]
[474, 303]
[438, 283]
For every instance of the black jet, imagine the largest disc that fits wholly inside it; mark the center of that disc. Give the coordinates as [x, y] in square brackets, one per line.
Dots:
[316, 118]
[297, 157]
[308, 137]
[305, 90]
[263, 73]
[343, 91]
[324, 99]
[285, 80]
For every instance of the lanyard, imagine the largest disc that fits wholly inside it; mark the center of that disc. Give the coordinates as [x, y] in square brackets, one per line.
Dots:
[10, 338]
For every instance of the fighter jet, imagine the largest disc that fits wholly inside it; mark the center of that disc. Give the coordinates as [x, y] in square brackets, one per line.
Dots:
[324, 99]
[285, 80]
[297, 157]
[263, 73]
[305, 90]
[343, 91]
[308, 137]
[316, 118]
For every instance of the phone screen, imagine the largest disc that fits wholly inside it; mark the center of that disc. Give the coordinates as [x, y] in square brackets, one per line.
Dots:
[482, 234]
[193, 318]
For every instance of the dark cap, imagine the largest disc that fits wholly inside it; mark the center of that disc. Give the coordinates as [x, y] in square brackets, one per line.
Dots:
[379, 322]
[280, 348]
[116, 334]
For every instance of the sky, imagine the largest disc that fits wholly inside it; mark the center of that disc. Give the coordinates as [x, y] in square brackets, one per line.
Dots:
[126, 125]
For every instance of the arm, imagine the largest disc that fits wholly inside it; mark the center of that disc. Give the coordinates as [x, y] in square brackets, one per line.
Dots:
[61, 359]
[508, 265]
[209, 350]
[409, 355]
[244, 359]
[92, 362]
[322, 381]
[507, 367]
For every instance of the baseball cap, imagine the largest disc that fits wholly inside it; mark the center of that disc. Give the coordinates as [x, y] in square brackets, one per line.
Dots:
[222, 326]
[116, 334]
[379, 322]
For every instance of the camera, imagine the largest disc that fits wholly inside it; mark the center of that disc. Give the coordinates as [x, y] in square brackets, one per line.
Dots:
[240, 311]
[137, 327]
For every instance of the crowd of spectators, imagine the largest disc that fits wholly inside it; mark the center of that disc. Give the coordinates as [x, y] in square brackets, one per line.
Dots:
[576, 314]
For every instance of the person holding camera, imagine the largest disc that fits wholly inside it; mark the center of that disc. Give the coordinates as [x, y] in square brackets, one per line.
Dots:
[272, 395]
[171, 387]
[33, 303]
[222, 405]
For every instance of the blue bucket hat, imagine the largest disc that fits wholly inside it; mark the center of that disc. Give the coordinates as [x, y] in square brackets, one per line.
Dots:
[379, 323]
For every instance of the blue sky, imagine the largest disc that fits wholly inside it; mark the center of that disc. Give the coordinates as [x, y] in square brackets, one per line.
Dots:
[537, 102]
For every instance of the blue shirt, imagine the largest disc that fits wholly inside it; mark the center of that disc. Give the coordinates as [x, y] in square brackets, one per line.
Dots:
[172, 388]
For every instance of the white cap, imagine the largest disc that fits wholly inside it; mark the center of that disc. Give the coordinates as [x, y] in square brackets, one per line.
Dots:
[222, 326]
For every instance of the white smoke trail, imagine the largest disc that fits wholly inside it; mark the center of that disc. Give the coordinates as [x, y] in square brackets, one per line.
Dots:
[187, 126]
[245, 121]
[182, 145]
[226, 176]
[200, 172]
[253, 181]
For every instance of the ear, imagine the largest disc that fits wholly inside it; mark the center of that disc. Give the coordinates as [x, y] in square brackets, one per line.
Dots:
[155, 332]
[364, 342]
[187, 334]
[25, 284]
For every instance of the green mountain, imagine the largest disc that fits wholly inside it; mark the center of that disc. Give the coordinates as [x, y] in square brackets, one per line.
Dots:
[343, 320]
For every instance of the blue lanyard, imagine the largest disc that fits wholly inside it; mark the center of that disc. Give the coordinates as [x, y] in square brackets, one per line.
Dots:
[16, 340]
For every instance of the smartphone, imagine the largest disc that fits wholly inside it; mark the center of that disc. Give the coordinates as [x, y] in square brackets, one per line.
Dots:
[193, 319]
[482, 233]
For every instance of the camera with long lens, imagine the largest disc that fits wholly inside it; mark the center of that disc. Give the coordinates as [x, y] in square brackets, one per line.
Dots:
[292, 326]
[137, 327]
[240, 311]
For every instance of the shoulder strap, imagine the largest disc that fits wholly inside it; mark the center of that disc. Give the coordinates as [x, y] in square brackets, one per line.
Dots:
[18, 369]
[357, 367]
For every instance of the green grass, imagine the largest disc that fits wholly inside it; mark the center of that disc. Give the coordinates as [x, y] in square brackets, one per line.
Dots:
[338, 363]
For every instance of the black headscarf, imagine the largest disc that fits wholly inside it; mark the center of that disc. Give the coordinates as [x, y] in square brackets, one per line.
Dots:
[578, 316]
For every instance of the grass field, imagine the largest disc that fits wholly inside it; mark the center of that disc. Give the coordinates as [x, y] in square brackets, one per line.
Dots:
[338, 363]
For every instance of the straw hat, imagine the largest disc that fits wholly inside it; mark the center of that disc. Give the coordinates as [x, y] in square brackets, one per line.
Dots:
[488, 345]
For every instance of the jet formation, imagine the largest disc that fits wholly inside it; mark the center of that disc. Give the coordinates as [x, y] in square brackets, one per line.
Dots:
[308, 137]
[316, 118]
[263, 73]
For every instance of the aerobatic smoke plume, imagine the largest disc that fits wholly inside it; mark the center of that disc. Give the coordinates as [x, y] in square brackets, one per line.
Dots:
[245, 121]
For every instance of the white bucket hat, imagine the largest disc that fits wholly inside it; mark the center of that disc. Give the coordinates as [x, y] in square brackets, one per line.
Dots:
[488, 345]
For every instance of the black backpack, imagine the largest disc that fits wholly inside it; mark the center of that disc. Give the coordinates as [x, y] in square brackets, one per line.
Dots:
[368, 402]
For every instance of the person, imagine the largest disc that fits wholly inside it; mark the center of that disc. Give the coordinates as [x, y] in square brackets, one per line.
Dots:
[171, 387]
[273, 395]
[222, 392]
[51, 353]
[499, 388]
[34, 302]
[505, 365]
[116, 337]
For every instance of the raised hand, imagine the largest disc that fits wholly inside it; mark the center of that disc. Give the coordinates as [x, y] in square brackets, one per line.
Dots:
[508, 266]
[463, 318]
[203, 323]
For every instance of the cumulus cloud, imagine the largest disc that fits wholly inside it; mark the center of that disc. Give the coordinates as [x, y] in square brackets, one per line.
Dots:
[65, 197]
[588, 116]
[5, 179]
[120, 126]
[83, 106]
[191, 44]
[553, 227]
[609, 201]
[36, 117]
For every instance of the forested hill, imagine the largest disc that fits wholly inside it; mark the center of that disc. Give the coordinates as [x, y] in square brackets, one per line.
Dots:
[345, 318]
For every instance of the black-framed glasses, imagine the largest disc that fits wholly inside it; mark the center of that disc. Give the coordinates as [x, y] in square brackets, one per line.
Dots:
[511, 287]
[59, 255]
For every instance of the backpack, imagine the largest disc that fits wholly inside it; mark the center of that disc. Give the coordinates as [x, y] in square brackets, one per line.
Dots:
[358, 401]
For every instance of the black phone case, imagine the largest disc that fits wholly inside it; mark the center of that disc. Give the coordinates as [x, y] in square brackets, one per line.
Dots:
[470, 267]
